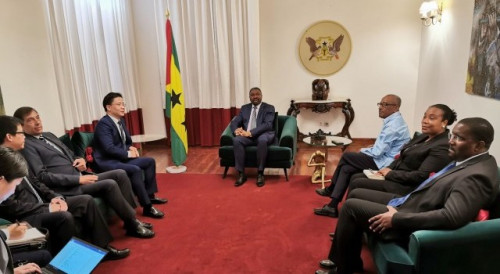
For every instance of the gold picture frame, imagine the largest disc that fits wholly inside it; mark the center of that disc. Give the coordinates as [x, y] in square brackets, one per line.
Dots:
[325, 48]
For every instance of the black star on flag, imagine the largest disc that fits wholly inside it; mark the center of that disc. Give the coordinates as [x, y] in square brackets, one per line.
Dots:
[184, 124]
[175, 99]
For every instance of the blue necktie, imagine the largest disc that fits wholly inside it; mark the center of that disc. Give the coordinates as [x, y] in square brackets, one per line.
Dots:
[50, 144]
[399, 201]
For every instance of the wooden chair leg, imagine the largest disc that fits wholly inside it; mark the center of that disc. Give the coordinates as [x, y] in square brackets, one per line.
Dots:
[286, 174]
[225, 172]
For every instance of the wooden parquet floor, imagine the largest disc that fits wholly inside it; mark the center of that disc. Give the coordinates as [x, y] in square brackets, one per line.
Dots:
[205, 160]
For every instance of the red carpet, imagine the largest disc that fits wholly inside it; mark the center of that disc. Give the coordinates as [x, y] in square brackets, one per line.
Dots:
[213, 227]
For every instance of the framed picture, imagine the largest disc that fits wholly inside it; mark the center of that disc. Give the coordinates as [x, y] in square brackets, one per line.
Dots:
[325, 47]
[483, 71]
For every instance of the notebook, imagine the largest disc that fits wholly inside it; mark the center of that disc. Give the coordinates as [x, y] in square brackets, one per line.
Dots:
[76, 257]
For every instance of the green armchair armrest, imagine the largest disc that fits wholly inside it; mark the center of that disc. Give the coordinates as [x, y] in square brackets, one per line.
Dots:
[473, 248]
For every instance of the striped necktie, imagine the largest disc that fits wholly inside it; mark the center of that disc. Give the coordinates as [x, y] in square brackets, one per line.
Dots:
[122, 132]
[253, 122]
[399, 201]
[50, 143]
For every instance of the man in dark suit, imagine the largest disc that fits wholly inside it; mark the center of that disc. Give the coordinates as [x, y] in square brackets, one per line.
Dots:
[41, 207]
[113, 150]
[253, 126]
[12, 169]
[55, 165]
[448, 200]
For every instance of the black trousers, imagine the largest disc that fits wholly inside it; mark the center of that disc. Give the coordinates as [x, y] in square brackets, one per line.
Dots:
[350, 163]
[61, 228]
[361, 205]
[360, 181]
[109, 190]
[88, 216]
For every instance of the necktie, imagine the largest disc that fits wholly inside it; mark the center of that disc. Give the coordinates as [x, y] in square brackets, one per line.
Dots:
[40, 201]
[122, 131]
[253, 122]
[399, 201]
[50, 144]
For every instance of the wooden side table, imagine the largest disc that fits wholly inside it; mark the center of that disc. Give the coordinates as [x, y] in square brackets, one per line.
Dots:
[323, 106]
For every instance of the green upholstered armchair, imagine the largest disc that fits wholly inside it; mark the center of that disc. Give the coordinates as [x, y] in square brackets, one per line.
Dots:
[281, 155]
[473, 248]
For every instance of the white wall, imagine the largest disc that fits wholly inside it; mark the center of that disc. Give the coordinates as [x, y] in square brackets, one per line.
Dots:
[26, 72]
[384, 57]
[443, 69]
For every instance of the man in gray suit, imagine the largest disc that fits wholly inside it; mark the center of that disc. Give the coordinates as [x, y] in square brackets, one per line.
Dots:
[253, 126]
[448, 200]
[57, 167]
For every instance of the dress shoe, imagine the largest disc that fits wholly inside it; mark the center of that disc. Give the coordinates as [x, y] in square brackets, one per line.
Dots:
[327, 264]
[323, 192]
[116, 254]
[321, 271]
[326, 210]
[241, 180]
[152, 212]
[140, 232]
[143, 224]
[260, 180]
[158, 201]
[332, 234]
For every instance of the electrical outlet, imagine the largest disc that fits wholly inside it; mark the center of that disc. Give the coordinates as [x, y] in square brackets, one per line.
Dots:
[326, 124]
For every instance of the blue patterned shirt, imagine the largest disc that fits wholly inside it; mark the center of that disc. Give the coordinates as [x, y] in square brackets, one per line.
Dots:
[393, 136]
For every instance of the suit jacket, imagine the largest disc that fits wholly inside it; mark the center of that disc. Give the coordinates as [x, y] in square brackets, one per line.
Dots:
[108, 145]
[5, 267]
[419, 158]
[53, 168]
[24, 202]
[452, 199]
[265, 119]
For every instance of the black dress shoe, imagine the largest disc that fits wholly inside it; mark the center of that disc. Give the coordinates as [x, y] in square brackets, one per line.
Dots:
[116, 254]
[158, 201]
[260, 180]
[326, 210]
[143, 224]
[327, 264]
[241, 180]
[323, 192]
[140, 232]
[332, 234]
[152, 212]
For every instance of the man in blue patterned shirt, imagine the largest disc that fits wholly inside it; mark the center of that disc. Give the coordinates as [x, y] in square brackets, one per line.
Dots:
[393, 136]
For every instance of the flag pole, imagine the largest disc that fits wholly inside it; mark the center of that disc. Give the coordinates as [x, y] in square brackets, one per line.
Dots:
[175, 98]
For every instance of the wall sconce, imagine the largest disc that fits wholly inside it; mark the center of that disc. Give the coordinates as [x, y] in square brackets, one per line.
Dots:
[430, 12]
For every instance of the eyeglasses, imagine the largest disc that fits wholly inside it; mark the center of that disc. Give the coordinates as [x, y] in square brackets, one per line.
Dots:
[120, 104]
[384, 104]
[455, 138]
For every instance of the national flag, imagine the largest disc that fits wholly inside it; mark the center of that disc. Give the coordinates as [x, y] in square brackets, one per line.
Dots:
[175, 108]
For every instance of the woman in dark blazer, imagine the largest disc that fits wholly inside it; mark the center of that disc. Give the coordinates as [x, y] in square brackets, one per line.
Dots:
[423, 155]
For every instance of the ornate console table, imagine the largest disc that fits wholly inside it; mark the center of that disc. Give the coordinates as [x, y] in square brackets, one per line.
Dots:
[323, 106]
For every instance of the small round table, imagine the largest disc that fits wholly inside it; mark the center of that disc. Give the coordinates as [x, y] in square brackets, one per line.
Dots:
[319, 159]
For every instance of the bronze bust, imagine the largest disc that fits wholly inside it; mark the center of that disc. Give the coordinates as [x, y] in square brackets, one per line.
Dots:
[320, 89]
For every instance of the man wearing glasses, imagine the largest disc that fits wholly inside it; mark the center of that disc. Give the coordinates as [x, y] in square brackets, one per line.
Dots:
[393, 136]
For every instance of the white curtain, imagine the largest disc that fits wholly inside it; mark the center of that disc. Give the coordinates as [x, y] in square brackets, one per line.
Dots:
[92, 45]
[218, 46]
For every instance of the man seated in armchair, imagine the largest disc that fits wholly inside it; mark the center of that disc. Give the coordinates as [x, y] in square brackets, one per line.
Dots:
[449, 199]
[253, 126]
